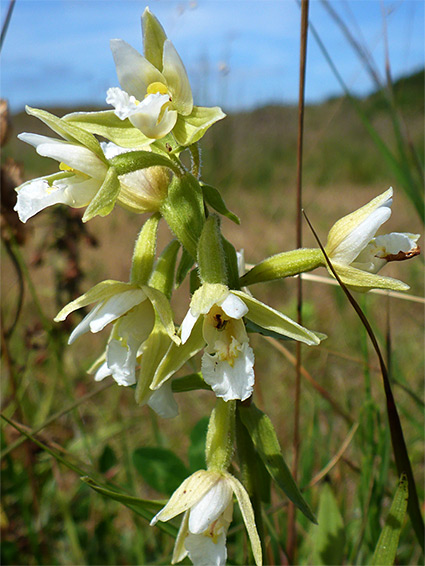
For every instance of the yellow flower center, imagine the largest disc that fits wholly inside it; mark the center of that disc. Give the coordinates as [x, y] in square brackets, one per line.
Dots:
[155, 88]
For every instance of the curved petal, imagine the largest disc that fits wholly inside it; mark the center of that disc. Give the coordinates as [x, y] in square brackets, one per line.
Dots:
[102, 372]
[187, 325]
[204, 551]
[230, 382]
[121, 361]
[177, 80]
[84, 325]
[75, 156]
[114, 307]
[233, 306]
[210, 507]
[150, 117]
[163, 403]
[134, 72]
[124, 104]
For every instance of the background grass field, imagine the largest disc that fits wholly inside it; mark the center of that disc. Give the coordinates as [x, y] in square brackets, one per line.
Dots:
[49, 516]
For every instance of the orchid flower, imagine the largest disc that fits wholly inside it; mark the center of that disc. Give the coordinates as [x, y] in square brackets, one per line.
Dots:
[215, 319]
[155, 89]
[357, 255]
[81, 176]
[132, 309]
[206, 499]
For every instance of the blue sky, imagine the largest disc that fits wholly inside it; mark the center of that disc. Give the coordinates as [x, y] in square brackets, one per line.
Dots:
[239, 54]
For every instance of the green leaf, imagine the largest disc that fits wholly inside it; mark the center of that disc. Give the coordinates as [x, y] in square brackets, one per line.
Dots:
[213, 197]
[107, 124]
[385, 551]
[143, 507]
[183, 210]
[328, 538]
[107, 459]
[104, 200]
[196, 452]
[160, 468]
[70, 132]
[266, 444]
[190, 382]
[190, 129]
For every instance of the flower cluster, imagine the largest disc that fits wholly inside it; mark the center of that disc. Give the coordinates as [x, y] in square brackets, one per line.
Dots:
[153, 122]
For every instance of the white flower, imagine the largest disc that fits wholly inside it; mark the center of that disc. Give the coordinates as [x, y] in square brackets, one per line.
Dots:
[132, 310]
[81, 177]
[215, 318]
[151, 98]
[206, 499]
[357, 256]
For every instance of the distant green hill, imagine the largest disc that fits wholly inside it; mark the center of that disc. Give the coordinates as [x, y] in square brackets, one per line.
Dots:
[257, 150]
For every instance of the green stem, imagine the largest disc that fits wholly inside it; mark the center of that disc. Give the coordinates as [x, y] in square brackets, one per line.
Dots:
[220, 436]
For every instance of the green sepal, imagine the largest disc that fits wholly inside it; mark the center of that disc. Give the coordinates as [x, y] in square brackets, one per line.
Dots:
[275, 321]
[183, 210]
[70, 132]
[100, 292]
[144, 251]
[363, 281]
[211, 261]
[285, 264]
[251, 327]
[177, 356]
[104, 200]
[386, 548]
[154, 349]
[107, 124]
[153, 39]
[162, 306]
[190, 129]
[213, 197]
[266, 444]
[190, 382]
[186, 263]
[162, 277]
[136, 160]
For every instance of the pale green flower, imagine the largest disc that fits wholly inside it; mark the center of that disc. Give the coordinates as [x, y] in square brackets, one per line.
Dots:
[206, 499]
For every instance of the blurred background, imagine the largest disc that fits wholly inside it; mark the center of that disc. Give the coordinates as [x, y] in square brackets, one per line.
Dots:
[363, 132]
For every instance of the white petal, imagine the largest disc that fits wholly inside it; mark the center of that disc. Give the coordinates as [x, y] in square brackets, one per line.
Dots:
[163, 402]
[36, 195]
[124, 104]
[358, 239]
[233, 306]
[188, 323]
[114, 307]
[203, 551]
[121, 360]
[75, 156]
[375, 254]
[210, 507]
[102, 372]
[229, 382]
[146, 116]
[134, 72]
[77, 190]
[177, 79]
[84, 325]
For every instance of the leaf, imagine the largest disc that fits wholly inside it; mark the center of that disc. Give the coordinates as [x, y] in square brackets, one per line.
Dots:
[385, 551]
[266, 444]
[143, 507]
[107, 124]
[213, 197]
[186, 263]
[191, 382]
[196, 452]
[160, 468]
[190, 129]
[328, 538]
